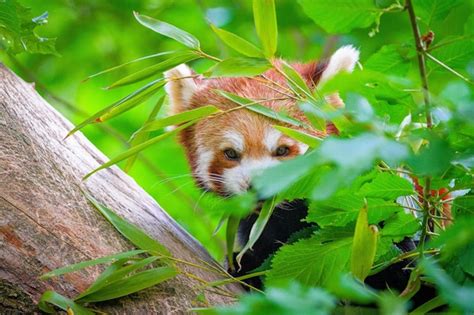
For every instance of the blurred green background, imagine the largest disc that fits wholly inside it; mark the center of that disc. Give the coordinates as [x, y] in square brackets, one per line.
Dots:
[93, 35]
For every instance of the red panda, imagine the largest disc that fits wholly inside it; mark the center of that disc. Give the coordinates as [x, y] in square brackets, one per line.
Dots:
[226, 151]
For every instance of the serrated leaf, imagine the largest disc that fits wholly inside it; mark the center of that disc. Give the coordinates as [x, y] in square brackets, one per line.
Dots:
[132, 284]
[387, 186]
[88, 263]
[400, 225]
[300, 136]
[350, 14]
[266, 25]
[168, 30]
[239, 67]
[456, 55]
[175, 59]
[263, 110]
[364, 246]
[56, 299]
[183, 117]
[310, 262]
[237, 43]
[126, 103]
[257, 227]
[388, 60]
[431, 11]
[130, 231]
[133, 151]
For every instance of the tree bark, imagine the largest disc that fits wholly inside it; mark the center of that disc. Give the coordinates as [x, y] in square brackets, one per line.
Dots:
[46, 222]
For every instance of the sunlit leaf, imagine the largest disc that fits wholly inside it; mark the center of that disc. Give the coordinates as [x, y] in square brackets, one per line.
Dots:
[168, 30]
[387, 186]
[239, 67]
[88, 263]
[133, 233]
[132, 284]
[50, 298]
[183, 117]
[257, 227]
[237, 43]
[300, 136]
[266, 25]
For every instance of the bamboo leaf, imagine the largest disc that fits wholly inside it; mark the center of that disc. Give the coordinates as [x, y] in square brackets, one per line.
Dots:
[231, 231]
[142, 136]
[132, 284]
[193, 114]
[265, 111]
[237, 43]
[130, 231]
[239, 67]
[258, 226]
[127, 102]
[266, 25]
[88, 263]
[177, 58]
[168, 30]
[109, 276]
[364, 246]
[128, 63]
[295, 81]
[300, 136]
[56, 299]
[132, 151]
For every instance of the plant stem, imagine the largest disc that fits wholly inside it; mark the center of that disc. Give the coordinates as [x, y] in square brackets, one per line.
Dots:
[420, 49]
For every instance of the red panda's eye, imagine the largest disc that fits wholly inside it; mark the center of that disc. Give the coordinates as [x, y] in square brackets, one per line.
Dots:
[282, 151]
[231, 154]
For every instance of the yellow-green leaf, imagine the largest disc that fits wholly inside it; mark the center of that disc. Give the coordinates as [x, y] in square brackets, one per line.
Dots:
[52, 298]
[266, 25]
[237, 43]
[300, 136]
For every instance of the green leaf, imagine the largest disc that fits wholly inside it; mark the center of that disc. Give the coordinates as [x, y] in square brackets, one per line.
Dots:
[175, 59]
[141, 136]
[56, 299]
[231, 231]
[258, 226]
[129, 63]
[349, 14]
[108, 278]
[300, 136]
[347, 287]
[239, 67]
[364, 246]
[400, 225]
[263, 110]
[133, 151]
[168, 30]
[130, 231]
[183, 117]
[431, 11]
[463, 207]
[388, 60]
[295, 81]
[387, 186]
[126, 103]
[456, 55]
[237, 43]
[18, 30]
[88, 263]
[132, 284]
[310, 262]
[266, 25]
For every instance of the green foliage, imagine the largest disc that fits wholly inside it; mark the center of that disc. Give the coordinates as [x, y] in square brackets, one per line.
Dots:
[385, 141]
[18, 30]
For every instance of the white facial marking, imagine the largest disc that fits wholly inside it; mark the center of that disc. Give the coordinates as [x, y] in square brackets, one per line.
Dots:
[237, 179]
[271, 138]
[303, 147]
[235, 139]
[204, 159]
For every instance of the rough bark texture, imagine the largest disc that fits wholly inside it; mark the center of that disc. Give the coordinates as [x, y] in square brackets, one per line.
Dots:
[46, 222]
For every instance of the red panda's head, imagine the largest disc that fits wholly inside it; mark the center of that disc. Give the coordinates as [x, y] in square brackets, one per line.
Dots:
[225, 151]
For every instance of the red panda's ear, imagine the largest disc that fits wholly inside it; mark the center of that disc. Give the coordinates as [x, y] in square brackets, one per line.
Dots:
[344, 59]
[180, 87]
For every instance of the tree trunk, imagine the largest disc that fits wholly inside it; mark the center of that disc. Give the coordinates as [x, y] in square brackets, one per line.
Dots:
[46, 222]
